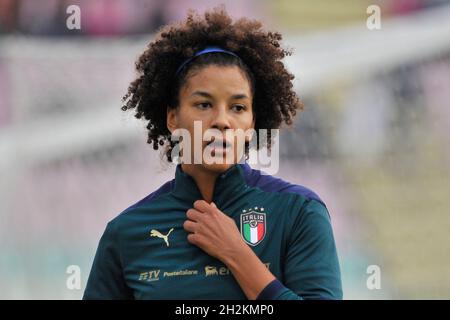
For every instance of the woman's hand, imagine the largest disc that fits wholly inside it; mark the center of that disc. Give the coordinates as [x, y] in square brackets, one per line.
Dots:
[213, 231]
[217, 234]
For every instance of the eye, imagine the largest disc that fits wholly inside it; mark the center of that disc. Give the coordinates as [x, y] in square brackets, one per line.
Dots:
[239, 107]
[203, 105]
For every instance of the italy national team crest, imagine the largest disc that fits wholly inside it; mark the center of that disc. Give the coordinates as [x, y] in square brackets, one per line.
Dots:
[253, 225]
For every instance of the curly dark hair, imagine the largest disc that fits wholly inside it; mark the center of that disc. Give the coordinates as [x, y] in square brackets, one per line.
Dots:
[157, 85]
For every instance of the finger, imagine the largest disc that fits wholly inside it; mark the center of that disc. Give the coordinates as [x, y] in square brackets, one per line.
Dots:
[203, 206]
[194, 214]
[192, 238]
[190, 226]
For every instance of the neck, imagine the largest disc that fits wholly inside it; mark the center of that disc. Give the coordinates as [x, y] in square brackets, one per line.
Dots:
[205, 179]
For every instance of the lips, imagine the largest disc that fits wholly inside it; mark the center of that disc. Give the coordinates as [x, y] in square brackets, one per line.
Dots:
[219, 145]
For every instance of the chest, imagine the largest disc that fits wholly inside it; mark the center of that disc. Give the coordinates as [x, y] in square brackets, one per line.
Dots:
[159, 262]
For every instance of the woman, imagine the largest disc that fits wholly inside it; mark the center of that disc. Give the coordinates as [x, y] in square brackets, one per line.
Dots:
[218, 230]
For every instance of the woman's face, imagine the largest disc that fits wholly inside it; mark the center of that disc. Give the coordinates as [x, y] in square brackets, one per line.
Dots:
[220, 98]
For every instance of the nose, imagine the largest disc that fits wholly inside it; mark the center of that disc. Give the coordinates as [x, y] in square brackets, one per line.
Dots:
[221, 120]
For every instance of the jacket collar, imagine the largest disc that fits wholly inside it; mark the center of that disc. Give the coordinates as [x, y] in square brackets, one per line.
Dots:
[227, 187]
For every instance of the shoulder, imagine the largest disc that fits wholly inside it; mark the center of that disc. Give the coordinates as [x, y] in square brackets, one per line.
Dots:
[165, 189]
[150, 199]
[269, 183]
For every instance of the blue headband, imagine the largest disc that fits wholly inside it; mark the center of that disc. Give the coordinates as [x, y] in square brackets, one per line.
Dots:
[206, 50]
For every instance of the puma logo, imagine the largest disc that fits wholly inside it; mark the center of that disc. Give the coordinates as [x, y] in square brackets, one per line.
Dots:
[156, 233]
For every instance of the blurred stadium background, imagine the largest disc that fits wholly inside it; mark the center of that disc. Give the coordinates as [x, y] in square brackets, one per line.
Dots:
[373, 140]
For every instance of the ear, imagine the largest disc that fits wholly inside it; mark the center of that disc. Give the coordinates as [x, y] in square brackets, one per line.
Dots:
[172, 119]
